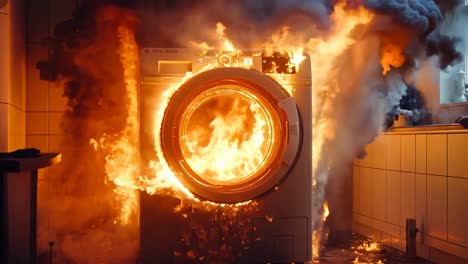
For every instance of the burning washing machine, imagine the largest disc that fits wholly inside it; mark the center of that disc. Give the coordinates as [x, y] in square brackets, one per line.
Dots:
[231, 133]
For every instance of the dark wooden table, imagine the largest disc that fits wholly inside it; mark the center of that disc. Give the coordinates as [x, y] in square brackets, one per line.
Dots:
[18, 207]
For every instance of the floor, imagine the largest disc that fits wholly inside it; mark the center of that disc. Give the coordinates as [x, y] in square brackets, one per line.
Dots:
[362, 250]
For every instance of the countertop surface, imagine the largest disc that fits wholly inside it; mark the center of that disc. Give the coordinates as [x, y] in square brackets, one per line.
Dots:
[454, 128]
[29, 164]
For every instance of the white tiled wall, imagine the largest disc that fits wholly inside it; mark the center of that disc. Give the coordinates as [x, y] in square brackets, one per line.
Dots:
[12, 76]
[379, 187]
[45, 103]
[436, 154]
[421, 153]
[393, 201]
[437, 207]
[393, 146]
[458, 155]
[408, 153]
[421, 176]
[457, 217]
[365, 191]
[379, 153]
[408, 196]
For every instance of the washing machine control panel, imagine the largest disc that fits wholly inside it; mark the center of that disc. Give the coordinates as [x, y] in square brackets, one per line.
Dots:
[156, 61]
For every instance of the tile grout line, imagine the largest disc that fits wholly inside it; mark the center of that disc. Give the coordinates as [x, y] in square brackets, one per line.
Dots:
[425, 182]
[48, 104]
[401, 193]
[446, 181]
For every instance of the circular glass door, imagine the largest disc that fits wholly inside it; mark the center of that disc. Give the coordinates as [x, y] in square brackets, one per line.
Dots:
[230, 134]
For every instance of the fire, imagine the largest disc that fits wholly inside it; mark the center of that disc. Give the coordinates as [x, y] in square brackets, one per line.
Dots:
[326, 212]
[322, 52]
[230, 145]
[123, 148]
[224, 147]
[233, 154]
[373, 246]
[226, 44]
[286, 43]
[392, 56]
[163, 178]
[391, 52]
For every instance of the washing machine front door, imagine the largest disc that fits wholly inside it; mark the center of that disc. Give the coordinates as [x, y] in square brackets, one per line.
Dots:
[231, 134]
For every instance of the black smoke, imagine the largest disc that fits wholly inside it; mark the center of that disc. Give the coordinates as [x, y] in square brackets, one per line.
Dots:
[445, 47]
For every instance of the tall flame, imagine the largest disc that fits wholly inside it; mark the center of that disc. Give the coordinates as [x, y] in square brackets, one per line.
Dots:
[326, 211]
[322, 52]
[226, 44]
[123, 158]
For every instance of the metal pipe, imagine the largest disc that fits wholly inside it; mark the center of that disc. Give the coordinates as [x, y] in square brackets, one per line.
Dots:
[51, 245]
[411, 232]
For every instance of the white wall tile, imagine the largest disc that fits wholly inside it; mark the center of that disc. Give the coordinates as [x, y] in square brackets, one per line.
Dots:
[17, 93]
[379, 194]
[421, 202]
[57, 101]
[458, 155]
[5, 54]
[365, 191]
[37, 91]
[408, 197]
[16, 128]
[393, 152]
[393, 197]
[37, 141]
[55, 123]
[3, 127]
[437, 154]
[355, 189]
[17, 120]
[37, 123]
[357, 162]
[379, 153]
[56, 143]
[408, 153]
[367, 160]
[60, 10]
[38, 21]
[421, 153]
[363, 219]
[437, 206]
[458, 211]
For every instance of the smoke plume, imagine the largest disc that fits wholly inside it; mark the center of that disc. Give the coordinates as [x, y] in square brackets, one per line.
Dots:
[80, 209]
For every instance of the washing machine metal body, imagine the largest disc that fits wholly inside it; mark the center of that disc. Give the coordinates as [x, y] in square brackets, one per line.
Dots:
[281, 182]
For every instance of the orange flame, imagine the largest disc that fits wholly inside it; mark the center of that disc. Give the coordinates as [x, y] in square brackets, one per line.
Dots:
[286, 43]
[322, 52]
[393, 45]
[230, 145]
[326, 212]
[123, 159]
[373, 246]
[391, 56]
[226, 44]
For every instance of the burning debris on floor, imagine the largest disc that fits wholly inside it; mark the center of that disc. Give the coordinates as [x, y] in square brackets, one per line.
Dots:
[360, 250]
